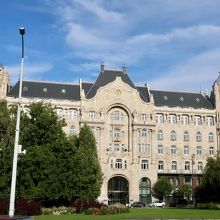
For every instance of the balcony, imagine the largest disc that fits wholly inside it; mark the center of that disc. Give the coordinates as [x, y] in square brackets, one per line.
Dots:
[179, 171]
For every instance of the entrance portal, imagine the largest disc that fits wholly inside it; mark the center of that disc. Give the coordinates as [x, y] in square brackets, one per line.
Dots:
[118, 190]
[145, 190]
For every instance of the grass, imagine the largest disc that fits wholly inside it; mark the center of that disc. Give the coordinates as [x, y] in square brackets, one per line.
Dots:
[147, 213]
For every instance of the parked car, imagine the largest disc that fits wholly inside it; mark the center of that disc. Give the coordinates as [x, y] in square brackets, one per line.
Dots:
[15, 218]
[138, 205]
[157, 204]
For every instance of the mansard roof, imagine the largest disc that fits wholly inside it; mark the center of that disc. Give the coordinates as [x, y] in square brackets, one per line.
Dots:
[180, 99]
[46, 90]
[67, 91]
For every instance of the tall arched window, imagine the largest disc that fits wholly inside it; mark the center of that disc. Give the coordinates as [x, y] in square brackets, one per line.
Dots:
[145, 190]
[144, 132]
[160, 135]
[211, 137]
[198, 136]
[173, 136]
[186, 136]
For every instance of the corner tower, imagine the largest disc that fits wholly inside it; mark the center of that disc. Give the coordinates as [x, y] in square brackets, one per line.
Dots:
[4, 82]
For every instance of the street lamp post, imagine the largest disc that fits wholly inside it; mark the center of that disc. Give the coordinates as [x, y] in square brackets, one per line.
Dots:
[193, 195]
[17, 132]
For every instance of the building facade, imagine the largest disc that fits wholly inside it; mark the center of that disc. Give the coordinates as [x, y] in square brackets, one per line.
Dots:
[141, 134]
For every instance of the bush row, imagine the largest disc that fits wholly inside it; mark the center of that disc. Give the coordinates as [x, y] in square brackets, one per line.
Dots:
[23, 207]
[208, 206]
[108, 210]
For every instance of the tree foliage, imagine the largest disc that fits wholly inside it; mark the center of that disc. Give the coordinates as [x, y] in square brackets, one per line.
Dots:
[162, 188]
[209, 190]
[88, 168]
[56, 169]
[7, 132]
[186, 190]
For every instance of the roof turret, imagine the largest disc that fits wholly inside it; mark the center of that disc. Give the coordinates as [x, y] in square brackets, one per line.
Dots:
[217, 81]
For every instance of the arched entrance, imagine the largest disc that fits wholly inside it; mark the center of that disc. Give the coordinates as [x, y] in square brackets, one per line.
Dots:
[145, 190]
[118, 190]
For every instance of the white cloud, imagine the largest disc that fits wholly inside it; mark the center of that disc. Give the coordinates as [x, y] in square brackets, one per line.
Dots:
[30, 70]
[198, 72]
[95, 8]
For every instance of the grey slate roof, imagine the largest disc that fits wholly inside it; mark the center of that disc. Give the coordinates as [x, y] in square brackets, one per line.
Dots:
[181, 99]
[106, 77]
[64, 91]
[46, 90]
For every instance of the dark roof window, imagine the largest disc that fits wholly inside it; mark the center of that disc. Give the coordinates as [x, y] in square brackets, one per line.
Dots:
[25, 88]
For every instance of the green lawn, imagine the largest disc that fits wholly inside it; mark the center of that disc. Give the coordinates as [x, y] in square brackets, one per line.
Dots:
[147, 213]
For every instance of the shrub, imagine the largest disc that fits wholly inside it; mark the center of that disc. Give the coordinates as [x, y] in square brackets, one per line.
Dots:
[82, 205]
[208, 206]
[22, 207]
[58, 210]
[4, 204]
[28, 207]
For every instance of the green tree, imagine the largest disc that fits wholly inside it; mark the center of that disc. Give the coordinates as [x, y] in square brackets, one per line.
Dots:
[7, 131]
[162, 188]
[209, 190]
[186, 190]
[47, 171]
[89, 173]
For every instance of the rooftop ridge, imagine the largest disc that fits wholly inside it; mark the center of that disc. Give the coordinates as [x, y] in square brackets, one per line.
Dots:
[52, 82]
[173, 91]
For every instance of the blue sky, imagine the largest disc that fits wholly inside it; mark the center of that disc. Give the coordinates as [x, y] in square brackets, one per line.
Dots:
[169, 44]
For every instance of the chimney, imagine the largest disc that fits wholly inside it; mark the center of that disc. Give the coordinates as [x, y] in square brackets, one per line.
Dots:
[124, 69]
[102, 67]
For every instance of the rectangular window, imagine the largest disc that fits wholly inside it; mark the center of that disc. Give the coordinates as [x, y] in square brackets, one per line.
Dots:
[59, 112]
[200, 166]
[211, 151]
[199, 150]
[143, 117]
[197, 120]
[144, 164]
[187, 166]
[173, 149]
[185, 119]
[186, 150]
[143, 148]
[209, 121]
[172, 119]
[160, 149]
[161, 166]
[118, 164]
[159, 118]
[174, 165]
[72, 114]
[91, 114]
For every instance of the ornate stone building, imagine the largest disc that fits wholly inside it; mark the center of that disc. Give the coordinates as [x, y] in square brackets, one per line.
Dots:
[141, 134]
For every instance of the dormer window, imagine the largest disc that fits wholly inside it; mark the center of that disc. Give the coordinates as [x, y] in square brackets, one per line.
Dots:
[25, 88]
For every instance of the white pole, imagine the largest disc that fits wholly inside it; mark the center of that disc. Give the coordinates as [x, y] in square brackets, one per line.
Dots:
[17, 132]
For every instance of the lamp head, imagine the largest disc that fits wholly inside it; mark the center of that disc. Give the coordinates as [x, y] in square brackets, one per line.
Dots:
[22, 30]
